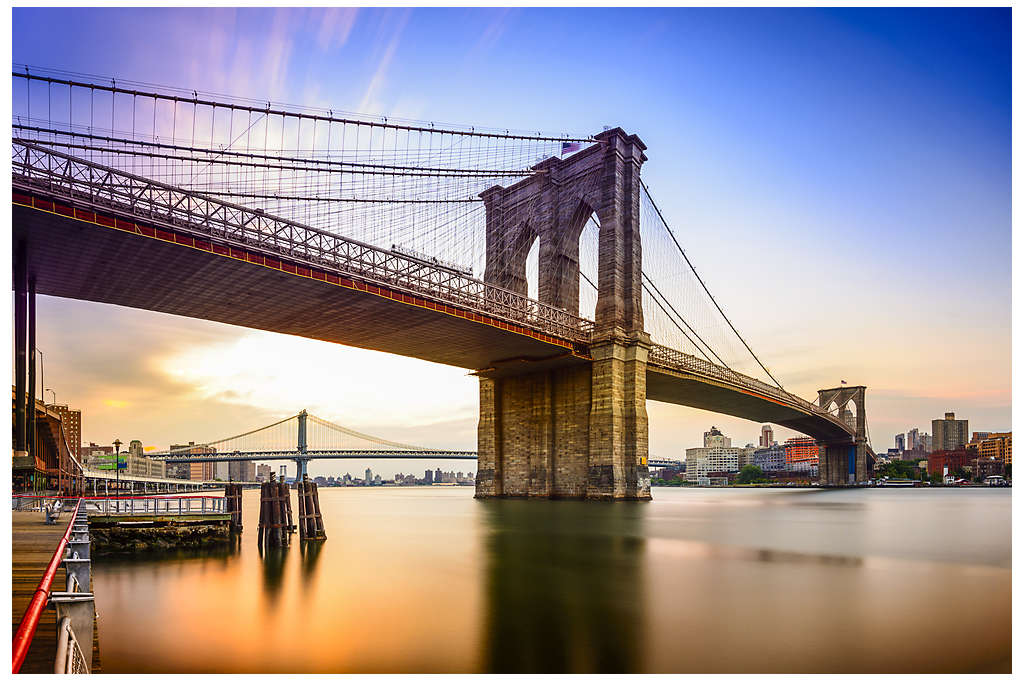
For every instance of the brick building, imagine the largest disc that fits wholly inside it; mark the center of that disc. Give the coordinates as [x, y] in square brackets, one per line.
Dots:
[942, 462]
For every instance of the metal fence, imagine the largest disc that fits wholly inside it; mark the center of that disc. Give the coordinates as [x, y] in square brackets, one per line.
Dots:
[156, 506]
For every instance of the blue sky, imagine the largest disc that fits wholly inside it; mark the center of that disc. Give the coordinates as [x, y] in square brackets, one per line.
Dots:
[841, 178]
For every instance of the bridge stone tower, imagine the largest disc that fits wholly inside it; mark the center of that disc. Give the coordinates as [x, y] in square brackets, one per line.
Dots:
[844, 462]
[578, 429]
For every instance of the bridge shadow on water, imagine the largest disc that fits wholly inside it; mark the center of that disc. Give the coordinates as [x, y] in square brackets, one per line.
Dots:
[565, 587]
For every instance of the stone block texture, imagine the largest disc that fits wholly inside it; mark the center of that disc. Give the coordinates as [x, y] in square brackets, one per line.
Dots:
[580, 431]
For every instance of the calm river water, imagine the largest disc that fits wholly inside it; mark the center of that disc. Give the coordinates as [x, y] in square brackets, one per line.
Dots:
[431, 580]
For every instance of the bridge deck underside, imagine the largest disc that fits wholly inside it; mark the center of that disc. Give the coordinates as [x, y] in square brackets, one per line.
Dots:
[669, 386]
[75, 259]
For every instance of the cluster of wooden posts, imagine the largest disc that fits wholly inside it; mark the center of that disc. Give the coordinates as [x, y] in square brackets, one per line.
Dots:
[276, 523]
[311, 525]
[233, 503]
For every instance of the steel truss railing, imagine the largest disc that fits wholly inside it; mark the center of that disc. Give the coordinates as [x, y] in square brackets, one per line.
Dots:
[107, 189]
[680, 361]
[314, 453]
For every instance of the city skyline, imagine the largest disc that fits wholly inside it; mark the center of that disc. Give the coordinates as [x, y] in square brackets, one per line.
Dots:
[752, 146]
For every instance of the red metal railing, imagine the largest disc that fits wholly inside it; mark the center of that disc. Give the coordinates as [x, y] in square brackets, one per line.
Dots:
[30, 620]
[114, 497]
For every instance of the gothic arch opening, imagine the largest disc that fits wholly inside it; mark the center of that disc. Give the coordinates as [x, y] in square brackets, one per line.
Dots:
[588, 249]
[533, 269]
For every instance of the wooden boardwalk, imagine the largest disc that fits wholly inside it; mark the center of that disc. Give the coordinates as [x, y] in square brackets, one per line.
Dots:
[32, 546]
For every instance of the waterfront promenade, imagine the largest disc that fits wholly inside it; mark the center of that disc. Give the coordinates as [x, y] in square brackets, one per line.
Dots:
[32, 546]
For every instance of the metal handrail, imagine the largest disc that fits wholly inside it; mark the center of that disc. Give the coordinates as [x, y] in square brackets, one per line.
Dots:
[223, 222]
[30, 620]
[177, 505]
[675, 359]
[70, 659]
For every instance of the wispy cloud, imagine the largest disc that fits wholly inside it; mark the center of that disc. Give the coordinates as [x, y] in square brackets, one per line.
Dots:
[370, 102]
[335, 26]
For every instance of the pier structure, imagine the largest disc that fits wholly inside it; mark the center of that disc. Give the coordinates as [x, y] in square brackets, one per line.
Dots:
[52, 601]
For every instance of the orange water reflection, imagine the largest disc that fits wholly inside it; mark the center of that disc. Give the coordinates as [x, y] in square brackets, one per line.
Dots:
[430, 580]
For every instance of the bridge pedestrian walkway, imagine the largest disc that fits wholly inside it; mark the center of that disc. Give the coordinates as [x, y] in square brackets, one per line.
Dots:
[32, 546]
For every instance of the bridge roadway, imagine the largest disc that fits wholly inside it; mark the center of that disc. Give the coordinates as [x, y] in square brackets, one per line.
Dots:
[317, 454]
[100, 235]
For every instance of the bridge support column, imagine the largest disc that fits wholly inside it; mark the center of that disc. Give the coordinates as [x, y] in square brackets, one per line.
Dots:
[20, 349]
[300, 469]
[576, 432]
[842, 464]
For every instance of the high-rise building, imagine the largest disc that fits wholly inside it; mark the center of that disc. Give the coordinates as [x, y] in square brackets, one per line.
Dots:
[221, 471]
[72, 422]
[926, 442]
[765, 441]
[135, 447]
[697, 463]
[369, 476]
[716, 439]
[428, 476]
[197, 471]
[913, 440]
[263, 472]
[746, 455]
[801, 453]
[438, 476]
[242, 470]
[949, 433]
[849, 418]
[900, 442]
[201, 471]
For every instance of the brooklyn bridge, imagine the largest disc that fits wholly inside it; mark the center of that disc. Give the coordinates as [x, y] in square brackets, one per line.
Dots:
[540, 263]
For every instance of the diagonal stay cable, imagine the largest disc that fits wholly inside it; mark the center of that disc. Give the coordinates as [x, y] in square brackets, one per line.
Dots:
[667, 314]
[694, 270]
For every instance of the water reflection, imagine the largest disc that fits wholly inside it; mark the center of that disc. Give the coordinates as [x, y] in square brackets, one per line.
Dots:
[310, 558]
[429, 580]
[565, 590]
[273, 571]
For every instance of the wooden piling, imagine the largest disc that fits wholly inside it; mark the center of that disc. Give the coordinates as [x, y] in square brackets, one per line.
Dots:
[263, 513]
[319, 533]
[301, 489]
[233, 503]
[287, 495]
[311, 525]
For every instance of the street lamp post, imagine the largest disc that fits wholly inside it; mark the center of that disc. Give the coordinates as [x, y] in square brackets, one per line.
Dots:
[117, 467]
